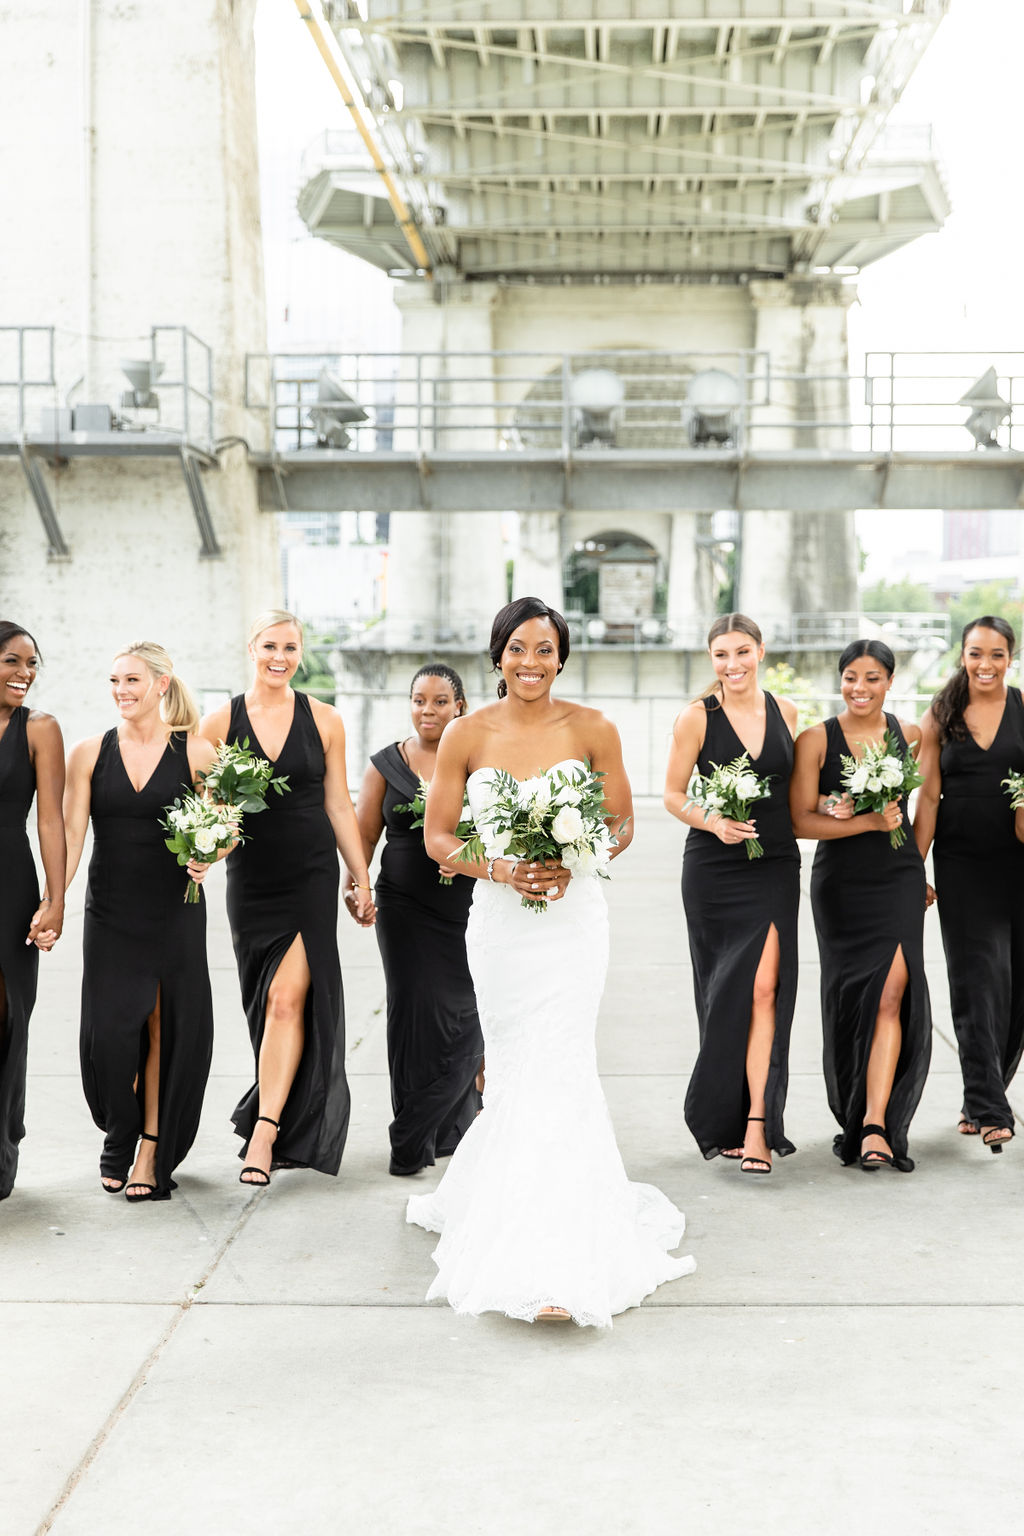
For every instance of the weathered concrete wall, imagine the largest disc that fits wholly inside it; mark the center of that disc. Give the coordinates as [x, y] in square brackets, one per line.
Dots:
[128, 138]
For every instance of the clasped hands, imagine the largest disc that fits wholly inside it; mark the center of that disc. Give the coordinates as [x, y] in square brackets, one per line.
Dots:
[540, 879]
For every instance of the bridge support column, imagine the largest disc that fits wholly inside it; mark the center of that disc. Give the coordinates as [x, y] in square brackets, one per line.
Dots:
[800, 562]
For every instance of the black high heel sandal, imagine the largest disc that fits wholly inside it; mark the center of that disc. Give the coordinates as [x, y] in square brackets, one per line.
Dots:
[264, 1176]
[140, 1183]
[869, 1161]
[993, 1140]
[755, 1164]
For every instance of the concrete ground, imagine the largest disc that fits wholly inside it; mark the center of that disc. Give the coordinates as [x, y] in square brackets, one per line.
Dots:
[846, 1360]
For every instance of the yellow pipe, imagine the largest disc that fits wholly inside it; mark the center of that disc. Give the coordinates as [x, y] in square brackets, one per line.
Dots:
[404, 218]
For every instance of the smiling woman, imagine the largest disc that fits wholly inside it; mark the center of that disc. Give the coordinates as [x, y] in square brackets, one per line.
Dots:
[283, 910]
[31, 764]
[147, 1012]
[973, 736]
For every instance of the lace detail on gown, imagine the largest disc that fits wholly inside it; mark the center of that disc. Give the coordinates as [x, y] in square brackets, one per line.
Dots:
[535, 1209]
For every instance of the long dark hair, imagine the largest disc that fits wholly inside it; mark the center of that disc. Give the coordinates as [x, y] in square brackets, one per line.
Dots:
[951, 700]
[442, 669]
[508, 619]
[727, 624]
[8, 630]
[876, 649]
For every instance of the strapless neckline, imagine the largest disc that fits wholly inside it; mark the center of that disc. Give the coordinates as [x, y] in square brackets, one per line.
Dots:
[575, 762]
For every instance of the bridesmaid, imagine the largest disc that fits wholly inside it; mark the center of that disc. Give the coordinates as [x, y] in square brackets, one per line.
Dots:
[741, 913]
[434, 1038]
[868, 901]
[973, 735]
[147, 1012]
[31, 764]
[283, 908]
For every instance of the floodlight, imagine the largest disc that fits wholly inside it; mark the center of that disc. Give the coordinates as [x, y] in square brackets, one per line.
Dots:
[142, 374]
[596, 630]
[713, 400]
[988, 410]
[596, 393]
[335, 409]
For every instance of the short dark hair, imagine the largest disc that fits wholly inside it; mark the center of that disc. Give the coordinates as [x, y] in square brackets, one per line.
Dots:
[876, 649]
[441, 669]
[508, 619]
[8, 630]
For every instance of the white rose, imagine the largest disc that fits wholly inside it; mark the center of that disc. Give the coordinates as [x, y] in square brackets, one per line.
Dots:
[223, 833]
[206, 839]
[567, 795]
[875, 784]
[495, 841]
[890, 772]
[712, 801]
[580, 859]
[535, 794]
[567, 825]
[748, 787]
[859, 780]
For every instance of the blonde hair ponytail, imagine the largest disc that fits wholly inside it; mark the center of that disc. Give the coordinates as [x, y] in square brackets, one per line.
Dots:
[178, 708]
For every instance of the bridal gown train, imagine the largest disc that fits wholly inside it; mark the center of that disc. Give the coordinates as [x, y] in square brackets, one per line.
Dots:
[535, 1209]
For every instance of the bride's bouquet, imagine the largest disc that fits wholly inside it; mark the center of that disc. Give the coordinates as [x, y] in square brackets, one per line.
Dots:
[235, 784]
[418, 806]
[558, 815]
[1015, 789]
[882, 775]
[730, 791]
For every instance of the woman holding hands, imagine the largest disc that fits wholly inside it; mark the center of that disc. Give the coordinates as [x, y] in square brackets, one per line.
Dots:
[868, 900]
[31, 765]
[434, 1039]
[972, 737]
[741, 913]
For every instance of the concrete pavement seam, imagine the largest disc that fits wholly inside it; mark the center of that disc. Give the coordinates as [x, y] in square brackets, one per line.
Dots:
[138, 1380]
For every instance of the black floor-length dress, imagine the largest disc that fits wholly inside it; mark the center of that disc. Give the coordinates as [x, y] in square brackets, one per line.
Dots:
[434, 1037]
[141, 938]
[868, 901]
[282, 882]
[731, 901]
[19, 962]
[979, 882]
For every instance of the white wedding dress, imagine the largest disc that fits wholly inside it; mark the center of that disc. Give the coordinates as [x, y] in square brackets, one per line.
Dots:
[535, 1209]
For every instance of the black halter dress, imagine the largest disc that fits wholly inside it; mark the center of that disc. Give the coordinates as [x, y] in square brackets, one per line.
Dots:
[283, 881]
[979, 882]
[141, 939]
[434, 1038]
[19, 962]
[868, 901]
[731, 901]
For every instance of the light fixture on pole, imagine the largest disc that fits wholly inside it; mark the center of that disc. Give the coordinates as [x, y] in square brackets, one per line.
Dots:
[142, 374]
[713, 400]
[596, 394]
[988, 410]
[335, 410]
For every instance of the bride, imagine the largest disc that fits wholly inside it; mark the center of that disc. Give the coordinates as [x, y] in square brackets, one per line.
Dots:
[536, 1215]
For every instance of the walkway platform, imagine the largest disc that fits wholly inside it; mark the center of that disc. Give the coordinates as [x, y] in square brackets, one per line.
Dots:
[845, 1362]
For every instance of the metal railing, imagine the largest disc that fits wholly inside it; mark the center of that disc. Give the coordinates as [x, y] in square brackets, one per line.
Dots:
[522, 402]
[618, 631]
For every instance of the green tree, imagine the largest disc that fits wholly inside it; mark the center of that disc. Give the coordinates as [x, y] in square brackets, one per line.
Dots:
[898, 597]
[985, 597]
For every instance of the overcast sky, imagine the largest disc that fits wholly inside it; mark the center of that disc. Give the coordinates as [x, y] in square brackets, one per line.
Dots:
[957, 290]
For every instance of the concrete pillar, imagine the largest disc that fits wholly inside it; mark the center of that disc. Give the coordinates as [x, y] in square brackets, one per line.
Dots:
[446, 571]
[538, 566]
[133, 201]
[800, 562]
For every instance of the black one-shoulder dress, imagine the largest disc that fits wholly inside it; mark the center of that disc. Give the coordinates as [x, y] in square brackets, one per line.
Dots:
[731, 901]
[434, 1037]
[979, 882]
[868, 901]
[19, 962]
[140, 938]
[282, 882]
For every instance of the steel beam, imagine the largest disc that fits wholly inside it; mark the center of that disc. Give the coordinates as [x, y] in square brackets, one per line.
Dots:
[697, 481]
